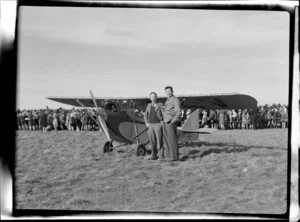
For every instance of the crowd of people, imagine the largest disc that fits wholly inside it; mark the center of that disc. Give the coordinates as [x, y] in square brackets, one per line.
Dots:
[273, 116]
[268, 116]
[59, 119]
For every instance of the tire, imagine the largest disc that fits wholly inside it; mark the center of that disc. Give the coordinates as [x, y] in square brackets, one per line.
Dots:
[140, 150]
[107, 147]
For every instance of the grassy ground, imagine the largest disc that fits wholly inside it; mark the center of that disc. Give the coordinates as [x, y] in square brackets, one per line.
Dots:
[233, 171]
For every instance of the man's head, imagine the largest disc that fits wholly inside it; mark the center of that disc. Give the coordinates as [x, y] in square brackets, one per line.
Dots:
[153, 97]
[169, 91]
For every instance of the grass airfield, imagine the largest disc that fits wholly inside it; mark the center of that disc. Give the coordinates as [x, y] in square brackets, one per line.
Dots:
[232, 171]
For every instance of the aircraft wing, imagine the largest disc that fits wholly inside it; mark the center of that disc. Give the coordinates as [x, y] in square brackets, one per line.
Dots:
[219, 101]
[140, 102]
[88, 102]
[211, 101]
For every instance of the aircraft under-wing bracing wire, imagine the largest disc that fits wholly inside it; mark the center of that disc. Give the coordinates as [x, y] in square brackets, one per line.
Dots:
[121, 118]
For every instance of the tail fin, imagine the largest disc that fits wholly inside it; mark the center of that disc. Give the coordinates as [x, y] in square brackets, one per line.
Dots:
[192, 122]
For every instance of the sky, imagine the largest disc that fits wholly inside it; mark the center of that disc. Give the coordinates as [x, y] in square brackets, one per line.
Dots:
[65, 52]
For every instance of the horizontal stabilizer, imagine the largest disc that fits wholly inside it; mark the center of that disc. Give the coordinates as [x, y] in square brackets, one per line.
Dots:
[201, 130]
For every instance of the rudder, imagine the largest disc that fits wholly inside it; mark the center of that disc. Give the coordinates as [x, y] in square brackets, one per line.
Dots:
[192, 122]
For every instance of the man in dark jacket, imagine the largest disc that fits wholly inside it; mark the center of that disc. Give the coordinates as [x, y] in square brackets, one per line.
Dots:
[153, 118]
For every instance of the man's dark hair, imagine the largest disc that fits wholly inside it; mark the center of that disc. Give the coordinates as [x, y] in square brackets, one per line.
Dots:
[153, 93]
[169, 87]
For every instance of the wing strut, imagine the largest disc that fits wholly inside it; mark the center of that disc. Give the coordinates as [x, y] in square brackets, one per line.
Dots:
[88, 112]
[133, 120]
[101, 119]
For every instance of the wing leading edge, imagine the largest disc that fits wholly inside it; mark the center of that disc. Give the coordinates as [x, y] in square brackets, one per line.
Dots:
[212, 101]
[221, 101]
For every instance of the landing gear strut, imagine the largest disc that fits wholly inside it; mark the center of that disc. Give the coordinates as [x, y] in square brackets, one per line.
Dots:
[107, 147]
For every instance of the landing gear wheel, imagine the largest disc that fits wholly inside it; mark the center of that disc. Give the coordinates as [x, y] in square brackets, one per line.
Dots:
[140, 150]
[107, 147]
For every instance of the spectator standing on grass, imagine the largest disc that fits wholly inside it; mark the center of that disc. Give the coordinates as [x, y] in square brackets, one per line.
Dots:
[277, 117]
[78, 123]
[29, 118]
[19, 120]
[26, 119]
[256, 120]
[204, 118]
[234, 119]
[227, 116]
[55, 120]
[239, 119]
[84, 121]
[68, 125]
[22, 118]
[89, 121]
[264, 117]
[261, 118]
[36, 120]
[283, 117]
[244, 120]
[269, 118]
[229, 124]
[43, 120]
[249, 119]
[274, 117]
[73, 121]
[222, 120]
[217, 118]
[212, 118]
[62, 120]
[39, 118]
[49, 120]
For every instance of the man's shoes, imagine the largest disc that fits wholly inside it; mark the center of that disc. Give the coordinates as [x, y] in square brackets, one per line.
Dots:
[153, 158]
[171, 160]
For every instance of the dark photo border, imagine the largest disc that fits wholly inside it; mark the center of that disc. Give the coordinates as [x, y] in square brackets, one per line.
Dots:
[8, 62]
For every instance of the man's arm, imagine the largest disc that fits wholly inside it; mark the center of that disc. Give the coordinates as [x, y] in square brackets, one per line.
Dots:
[177, 110]
[146, 115]
[160, 111]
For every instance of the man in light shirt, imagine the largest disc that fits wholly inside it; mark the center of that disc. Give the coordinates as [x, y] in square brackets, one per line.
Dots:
[171, 116]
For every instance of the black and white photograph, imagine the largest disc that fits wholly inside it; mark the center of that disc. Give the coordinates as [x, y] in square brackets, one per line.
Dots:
[152, 110]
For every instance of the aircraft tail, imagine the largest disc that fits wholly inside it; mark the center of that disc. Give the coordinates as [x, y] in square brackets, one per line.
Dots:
[191, 123]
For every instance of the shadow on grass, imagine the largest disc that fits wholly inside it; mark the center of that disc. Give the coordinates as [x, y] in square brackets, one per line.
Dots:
[224, 148]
